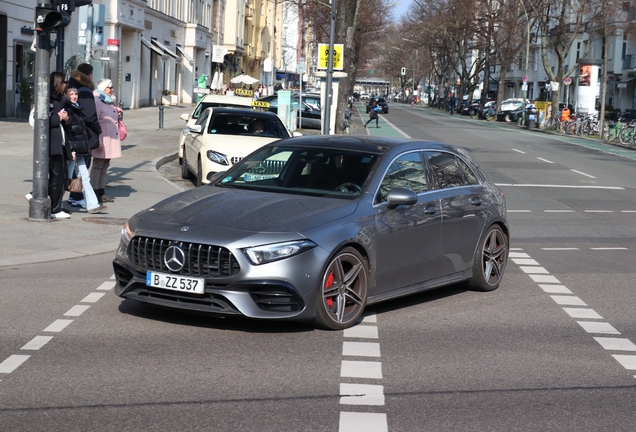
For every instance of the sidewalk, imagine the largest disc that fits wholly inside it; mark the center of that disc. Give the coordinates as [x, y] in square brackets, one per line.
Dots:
[133, 182]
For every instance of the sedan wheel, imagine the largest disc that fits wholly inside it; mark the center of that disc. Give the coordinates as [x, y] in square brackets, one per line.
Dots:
[185, 172]
[199, 181]
[343, 291]
[490, 262]
[507, 118]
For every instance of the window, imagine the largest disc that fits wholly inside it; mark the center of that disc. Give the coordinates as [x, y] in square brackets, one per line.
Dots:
[406, 172]
[447, 170]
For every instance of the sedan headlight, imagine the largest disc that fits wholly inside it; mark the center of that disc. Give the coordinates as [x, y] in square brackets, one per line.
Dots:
[217, 157]
[126, 233]
[277, 251]
[185, 131]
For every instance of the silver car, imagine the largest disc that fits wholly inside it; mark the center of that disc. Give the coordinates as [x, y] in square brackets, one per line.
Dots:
[316, 228]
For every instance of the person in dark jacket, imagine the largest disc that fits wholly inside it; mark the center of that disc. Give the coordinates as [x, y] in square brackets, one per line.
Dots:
[82, 79]
[373, 113]
[76, 128]
[57, 174]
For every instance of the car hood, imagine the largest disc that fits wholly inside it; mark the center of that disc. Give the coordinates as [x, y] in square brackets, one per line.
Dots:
[244, 210]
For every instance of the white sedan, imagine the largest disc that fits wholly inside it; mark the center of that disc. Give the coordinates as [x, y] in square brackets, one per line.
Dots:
[222, 137]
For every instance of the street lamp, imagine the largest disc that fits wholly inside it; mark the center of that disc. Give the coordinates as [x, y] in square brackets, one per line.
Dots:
[412, 61]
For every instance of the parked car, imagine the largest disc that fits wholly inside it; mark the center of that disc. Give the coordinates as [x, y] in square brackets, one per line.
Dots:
[507, 107]
[316, 228]
[517, 115]
[364, 96]
[311, 115]
[209, 101]
[483, 111]
[221, 137]
[471, 109]
[382, 103]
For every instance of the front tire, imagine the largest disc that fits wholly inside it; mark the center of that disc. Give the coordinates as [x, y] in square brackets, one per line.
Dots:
[199, 181]
[342, 294]
[507, 118]
[490, 261]
[185, 172]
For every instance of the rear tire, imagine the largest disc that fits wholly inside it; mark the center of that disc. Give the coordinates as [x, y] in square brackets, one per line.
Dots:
[185, 172]
[490, 260]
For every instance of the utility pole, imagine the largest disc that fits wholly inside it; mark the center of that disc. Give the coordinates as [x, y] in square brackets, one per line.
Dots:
[329, 85]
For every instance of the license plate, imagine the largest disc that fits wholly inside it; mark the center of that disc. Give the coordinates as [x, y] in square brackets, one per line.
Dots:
[175, 282]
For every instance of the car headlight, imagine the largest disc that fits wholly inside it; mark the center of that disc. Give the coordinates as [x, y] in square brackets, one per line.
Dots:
[277, 251]
[217, 157]
[126, 233]
[185, 131]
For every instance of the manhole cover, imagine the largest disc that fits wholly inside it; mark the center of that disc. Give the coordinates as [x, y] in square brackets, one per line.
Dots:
[105, 220]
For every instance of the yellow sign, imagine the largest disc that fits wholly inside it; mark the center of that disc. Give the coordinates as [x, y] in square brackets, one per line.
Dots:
[244, 92]
[260, 104]
[323, 56]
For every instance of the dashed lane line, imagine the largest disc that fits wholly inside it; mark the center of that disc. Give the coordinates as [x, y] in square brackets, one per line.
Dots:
[12, 362]
[578, 309]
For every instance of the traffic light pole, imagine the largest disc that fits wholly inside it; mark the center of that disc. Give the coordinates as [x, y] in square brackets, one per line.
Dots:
[40, 204]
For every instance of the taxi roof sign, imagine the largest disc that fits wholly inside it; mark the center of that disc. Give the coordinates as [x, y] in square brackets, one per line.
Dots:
[323, 56]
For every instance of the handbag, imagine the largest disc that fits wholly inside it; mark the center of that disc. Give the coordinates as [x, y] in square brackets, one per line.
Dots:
[123, 132]
[74, 185]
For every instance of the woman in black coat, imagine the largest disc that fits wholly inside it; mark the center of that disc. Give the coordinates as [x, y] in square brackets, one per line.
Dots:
[57, 171]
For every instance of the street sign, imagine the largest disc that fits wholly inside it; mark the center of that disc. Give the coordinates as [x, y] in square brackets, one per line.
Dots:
[525, 78]
[567, 81]
[323, 56]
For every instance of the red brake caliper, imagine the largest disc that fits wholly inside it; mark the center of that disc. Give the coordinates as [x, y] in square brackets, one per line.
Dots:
[328, 285]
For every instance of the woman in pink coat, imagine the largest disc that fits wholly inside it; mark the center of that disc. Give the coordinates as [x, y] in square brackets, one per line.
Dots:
[109, 143]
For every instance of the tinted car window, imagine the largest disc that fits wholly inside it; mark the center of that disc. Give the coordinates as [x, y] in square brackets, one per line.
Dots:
[447, 171]
[469, 176]
[406, 172]
[242, 124]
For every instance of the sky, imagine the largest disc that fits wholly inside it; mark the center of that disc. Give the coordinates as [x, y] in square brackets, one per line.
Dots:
[401, 8]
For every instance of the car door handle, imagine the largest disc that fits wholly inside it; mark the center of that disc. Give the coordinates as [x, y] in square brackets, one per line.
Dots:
[430, 209]
[476, 201]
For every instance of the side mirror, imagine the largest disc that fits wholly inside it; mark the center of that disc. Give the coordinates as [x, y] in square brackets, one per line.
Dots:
[185, 117]
[401, 196]
[196, 129]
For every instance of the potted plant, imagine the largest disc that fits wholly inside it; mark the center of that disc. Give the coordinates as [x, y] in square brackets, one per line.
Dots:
[26, 99]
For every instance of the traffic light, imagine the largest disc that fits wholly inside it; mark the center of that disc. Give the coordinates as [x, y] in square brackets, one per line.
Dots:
[47, 18]
[70, 5]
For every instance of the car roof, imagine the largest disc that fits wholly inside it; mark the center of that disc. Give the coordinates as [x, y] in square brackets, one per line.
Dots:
[225, 99]
[370, 144]
[245, 111]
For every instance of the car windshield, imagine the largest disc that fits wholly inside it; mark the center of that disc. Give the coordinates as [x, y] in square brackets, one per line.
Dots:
[203, 105]
[329, 172]
[246, 124]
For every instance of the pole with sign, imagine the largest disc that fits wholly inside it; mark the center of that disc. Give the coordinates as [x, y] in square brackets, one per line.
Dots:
[567, 81]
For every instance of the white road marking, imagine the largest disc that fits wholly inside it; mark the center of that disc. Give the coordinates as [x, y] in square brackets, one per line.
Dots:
[92, 297]
[518, 255]
[361, 349]
[616, 344]
[533, 270]
[360, 331]
[558, 211]
[371, 318]
[598, 211]
[582, 313]
[582, 173]
[561, 186]
[628, 211]
[559, 249]
[555, 289]
[598, 327]
[545, 160]
[106, 286]
[519, 151]
[12, 363]
[544, 279]
[568, 300]
[361, 369]
[524, 261]
[519, 211]
[609, 248]
[58, 325]
[363, 422]
[361, 394]
[628, 361]
[518, 249]
[76, 310]
[37, 342]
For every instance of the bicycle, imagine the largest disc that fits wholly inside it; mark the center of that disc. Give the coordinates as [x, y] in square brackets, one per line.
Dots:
[347, 121]
[589, 125]
[611, 130]
[628, 134]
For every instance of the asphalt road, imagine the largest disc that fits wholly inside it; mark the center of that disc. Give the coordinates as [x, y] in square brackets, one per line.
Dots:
[551, 349]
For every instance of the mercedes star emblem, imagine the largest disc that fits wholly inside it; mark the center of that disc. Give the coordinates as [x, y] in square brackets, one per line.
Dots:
[174, 258]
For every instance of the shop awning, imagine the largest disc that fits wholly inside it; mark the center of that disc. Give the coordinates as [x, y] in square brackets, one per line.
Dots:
[184, 54]
[152, 47]
[164, 48]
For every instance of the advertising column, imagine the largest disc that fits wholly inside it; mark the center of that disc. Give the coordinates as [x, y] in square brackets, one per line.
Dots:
[589, 85]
